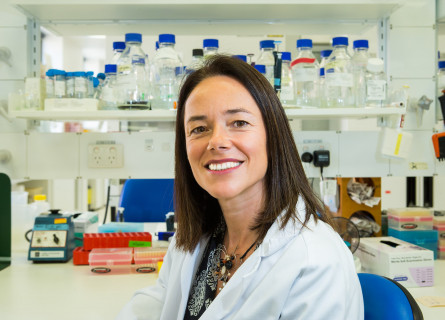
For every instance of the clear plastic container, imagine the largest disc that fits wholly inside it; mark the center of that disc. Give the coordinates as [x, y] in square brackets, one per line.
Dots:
[49, 83]
[339, 76]
[287, 95]
[266, 57]
[132, 78]
[39, 206]
[405, 219]
[70, 84]
[111, 260]
[118, 48]
[107, 96]
[359, 63]
[376, 86]
[210, 47]
[146, 259]
[165, 63]
[80, 85]
[59, 84]
[305, 74]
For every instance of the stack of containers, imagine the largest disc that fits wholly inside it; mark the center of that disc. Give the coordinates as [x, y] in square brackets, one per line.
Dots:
[439, 225]
[413, 225]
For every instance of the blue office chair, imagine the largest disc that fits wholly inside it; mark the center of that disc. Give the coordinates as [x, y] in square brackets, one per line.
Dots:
[386, 299]
[147, 200]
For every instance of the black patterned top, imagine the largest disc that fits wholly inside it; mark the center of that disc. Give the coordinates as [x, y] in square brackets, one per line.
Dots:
[203, 290]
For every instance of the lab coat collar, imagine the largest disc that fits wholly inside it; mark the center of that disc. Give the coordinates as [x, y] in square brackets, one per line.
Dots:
[275, 239]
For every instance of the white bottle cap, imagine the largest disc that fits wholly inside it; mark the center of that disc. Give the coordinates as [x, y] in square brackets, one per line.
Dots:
[375, 65]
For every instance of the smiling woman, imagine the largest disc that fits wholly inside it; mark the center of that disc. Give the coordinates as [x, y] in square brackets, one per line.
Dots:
[253, 241]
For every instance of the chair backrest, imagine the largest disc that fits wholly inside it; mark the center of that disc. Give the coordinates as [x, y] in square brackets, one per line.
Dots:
[386, 299]
[5, 221]
[147, 200]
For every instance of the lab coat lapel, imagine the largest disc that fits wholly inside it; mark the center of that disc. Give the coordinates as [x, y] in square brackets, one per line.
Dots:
[188, 271]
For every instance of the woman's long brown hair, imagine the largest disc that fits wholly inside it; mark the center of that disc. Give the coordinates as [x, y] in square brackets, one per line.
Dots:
[198, 213]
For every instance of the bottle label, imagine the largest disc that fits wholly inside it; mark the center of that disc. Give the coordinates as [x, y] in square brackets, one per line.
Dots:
[304, 74]
[124, 68]
[302, 60]
[338, 79]
[138, 60]
[376, 90]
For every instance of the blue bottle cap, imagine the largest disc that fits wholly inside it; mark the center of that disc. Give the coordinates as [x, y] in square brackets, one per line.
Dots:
[57, 72]
[285, 56]
[110, 68]
[133, 37]
[340, 41]
[95, 82]
[267, 44]
[321, 72]
[79, 74]
[325, 53]
[360, 44]
[50, 72]
[241, 57]
[118, 45]
[304, 43]
[441, 64]
[261, 68]
[167, 38]
[101, 76]
[89, 73]
[210, 43]
[69, 74]
[180, 70]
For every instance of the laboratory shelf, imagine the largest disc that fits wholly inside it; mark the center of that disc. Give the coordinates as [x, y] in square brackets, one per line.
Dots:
[170, 115]
[206, 16]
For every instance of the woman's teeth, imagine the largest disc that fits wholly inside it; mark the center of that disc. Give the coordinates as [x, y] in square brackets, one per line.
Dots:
[223, 166]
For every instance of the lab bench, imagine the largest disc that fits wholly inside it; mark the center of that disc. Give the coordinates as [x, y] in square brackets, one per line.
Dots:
[65, 291]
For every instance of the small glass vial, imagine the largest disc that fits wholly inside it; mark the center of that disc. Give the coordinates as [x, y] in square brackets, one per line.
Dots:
[49, 83]
[59, 84]
[210, 47]
[70, 85]
[80, 85]
[267, 58]
[375, 84]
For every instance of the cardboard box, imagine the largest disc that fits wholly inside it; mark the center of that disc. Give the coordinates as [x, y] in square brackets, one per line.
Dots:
[410, 265]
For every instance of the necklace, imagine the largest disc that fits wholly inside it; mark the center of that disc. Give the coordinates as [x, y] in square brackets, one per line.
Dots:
[225, 264]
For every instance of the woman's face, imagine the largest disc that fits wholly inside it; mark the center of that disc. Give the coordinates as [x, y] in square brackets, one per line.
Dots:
[226, 139]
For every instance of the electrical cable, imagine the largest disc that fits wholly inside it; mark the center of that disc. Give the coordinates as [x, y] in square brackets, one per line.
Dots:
[108, 202]
[26, 235]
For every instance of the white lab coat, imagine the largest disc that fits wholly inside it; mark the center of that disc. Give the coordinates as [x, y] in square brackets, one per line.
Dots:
[296, 273]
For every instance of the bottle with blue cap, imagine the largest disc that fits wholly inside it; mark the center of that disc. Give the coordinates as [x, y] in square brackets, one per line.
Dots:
[324, 55]
[70, 85]
[375, 84]
[59, 84]
[359, 63]
[287, 95]
[338, 74]
[266, 57]
[132, 78]
[165, 62]
[80, 85]
[118, 48]
[108, 93]
[49, 83]
[210, 47]
[305, 73]
[90, 83]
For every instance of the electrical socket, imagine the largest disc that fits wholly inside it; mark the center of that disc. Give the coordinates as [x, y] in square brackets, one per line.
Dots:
[105, 156]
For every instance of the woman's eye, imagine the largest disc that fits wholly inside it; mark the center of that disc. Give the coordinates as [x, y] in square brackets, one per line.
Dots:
[240, 123]
[198, 130]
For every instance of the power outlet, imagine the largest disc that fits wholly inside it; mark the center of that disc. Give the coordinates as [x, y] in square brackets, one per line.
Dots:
[105, 156]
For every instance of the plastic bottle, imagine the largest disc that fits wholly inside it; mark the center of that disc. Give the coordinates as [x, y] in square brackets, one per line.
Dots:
[441, 78]
[108, 93]
[197, 60]
[287, 95]
[359, 62]
[324, 54]
[39, 206]
[49, 82]
[266, 57]
[80, 85]
[210, 47]
[305, 73]
[59, 84]
[118, 48]
[70, 84]
[339, 78]
[376, 85]
[132, 77]
[165, 62]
